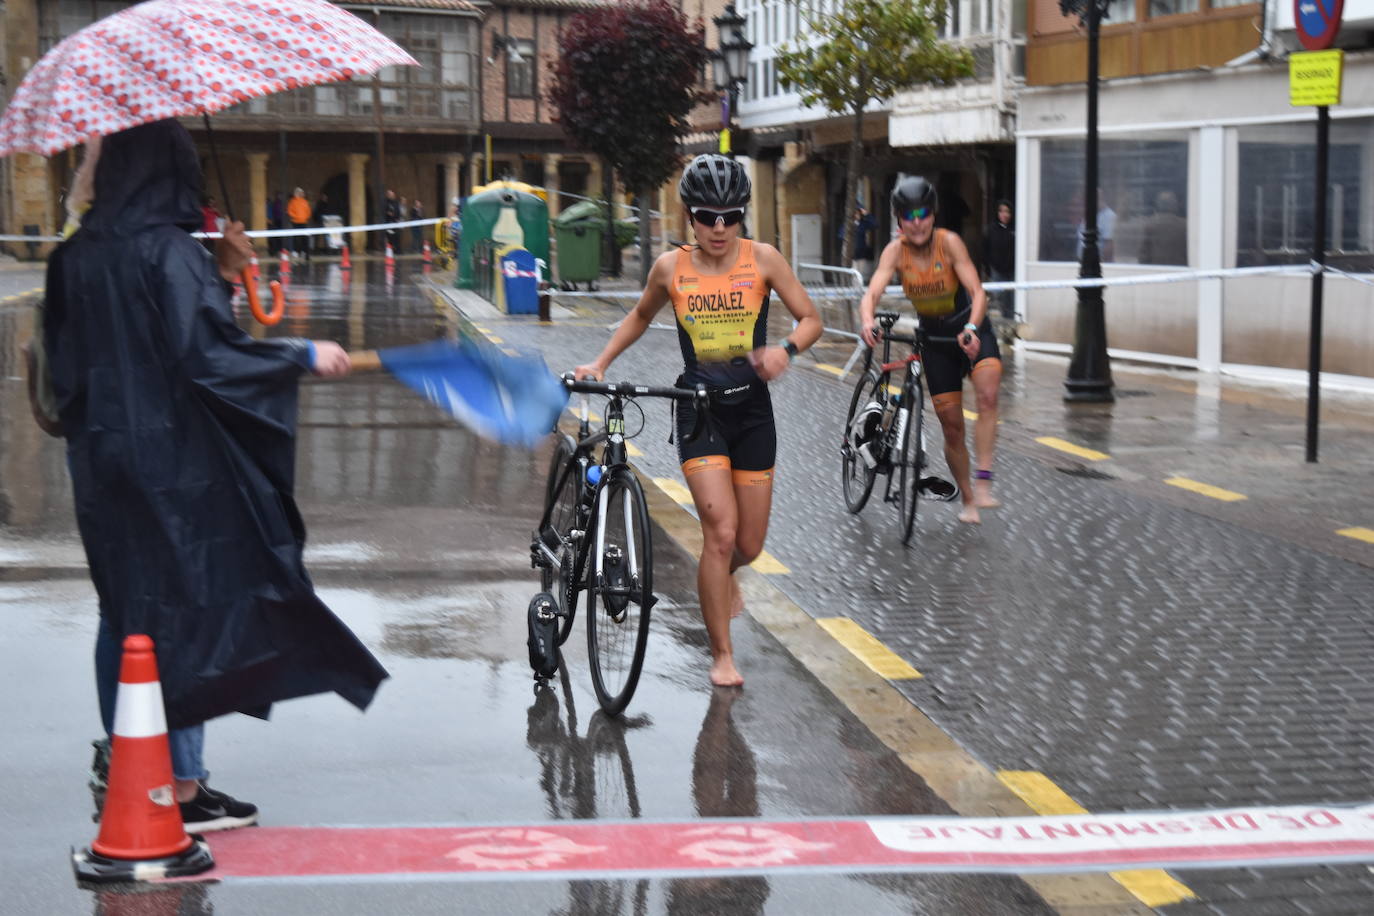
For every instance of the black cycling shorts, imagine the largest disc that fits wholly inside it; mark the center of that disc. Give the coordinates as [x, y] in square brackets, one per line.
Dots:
[946, 364]
[741, 428]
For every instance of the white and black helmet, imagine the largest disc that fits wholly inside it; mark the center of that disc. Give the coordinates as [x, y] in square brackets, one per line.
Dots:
[913, 192]
[714, 181]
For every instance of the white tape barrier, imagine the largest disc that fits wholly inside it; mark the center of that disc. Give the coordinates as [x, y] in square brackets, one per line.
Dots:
[266, 233]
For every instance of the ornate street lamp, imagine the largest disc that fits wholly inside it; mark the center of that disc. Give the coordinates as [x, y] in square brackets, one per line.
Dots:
[730, 66]
[1090, 373]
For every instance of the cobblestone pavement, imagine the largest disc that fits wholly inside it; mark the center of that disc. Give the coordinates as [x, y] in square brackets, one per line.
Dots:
[1143, 646]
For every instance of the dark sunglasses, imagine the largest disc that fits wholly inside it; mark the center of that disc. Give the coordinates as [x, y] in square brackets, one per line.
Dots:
[918, 213]
[711, 217]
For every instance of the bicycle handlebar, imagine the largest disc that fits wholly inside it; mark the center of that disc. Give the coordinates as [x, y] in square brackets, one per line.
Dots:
[887, 319]
[697, 395]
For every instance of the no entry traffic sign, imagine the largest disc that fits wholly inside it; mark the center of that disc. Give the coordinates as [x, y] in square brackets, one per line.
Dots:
[1317, 22]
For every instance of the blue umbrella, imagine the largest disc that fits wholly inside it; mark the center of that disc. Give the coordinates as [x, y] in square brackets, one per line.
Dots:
[514, 400]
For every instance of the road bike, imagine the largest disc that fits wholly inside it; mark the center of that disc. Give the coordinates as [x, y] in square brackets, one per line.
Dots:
[594, 537]
[884, 432]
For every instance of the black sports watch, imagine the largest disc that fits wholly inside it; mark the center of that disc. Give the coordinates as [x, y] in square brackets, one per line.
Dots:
[791, 349]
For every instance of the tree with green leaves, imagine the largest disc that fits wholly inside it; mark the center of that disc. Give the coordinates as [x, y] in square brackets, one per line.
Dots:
[626, 80]
[866, 50]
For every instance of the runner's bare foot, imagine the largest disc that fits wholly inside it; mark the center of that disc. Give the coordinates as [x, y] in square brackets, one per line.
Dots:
[982, 495]
[970, 514]
[736, 598]
[723, 673]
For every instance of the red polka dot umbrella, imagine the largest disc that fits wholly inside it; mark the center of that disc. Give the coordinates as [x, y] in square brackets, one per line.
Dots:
[173, 58]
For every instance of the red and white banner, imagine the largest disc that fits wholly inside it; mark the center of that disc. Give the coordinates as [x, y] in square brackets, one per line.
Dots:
[578, 849]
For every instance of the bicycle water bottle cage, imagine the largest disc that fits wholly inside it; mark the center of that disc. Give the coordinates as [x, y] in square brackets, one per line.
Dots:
[617, 595]
[542, 622]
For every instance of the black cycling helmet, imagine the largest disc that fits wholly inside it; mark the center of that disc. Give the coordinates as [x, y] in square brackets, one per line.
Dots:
[715, 181]
[912, 192]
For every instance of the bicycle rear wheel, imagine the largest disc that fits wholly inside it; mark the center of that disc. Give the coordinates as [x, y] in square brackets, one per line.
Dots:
[912, 460]
[562, 492]
[619, 588]
[855, 475]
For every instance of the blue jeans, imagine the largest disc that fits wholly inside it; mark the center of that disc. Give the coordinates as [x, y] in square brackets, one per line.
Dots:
[187, 744]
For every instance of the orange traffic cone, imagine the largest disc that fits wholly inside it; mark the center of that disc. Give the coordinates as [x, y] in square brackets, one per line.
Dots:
[425, 256]
[347, 262]
[141, 835]
[390, 255]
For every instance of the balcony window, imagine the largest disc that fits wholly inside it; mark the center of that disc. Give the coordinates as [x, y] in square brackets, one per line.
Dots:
[520, 76]
[439, 90]
[1160, 8]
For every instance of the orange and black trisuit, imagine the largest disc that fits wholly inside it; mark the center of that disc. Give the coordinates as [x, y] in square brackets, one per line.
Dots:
[943, 306]
[721, 319]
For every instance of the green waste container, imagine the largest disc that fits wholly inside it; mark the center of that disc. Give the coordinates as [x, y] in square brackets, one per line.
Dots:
[579, 252]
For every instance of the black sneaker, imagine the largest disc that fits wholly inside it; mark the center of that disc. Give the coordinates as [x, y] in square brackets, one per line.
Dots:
[211, 810]
[100, 775]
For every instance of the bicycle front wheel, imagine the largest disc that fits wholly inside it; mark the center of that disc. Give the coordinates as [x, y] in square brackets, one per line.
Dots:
[619, 588]
[912, 460]
[855, 474]
[563, 489]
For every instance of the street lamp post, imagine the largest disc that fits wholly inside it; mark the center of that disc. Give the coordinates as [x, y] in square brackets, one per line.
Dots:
[1090, 372]
[729, 67]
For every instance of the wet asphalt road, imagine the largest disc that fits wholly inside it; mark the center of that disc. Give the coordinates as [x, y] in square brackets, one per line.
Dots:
[1141, 654]
[419, 537]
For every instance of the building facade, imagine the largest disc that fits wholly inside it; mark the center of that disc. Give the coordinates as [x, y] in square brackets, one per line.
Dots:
[473, 110]
[1203, 165]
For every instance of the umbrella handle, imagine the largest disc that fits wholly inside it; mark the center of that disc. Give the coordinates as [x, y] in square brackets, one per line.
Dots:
[365, 360]
[255, 304]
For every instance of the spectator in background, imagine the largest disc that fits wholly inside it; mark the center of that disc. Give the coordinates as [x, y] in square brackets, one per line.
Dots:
[864, 227]
[298, 212]
[417, 211]
[321, 209]
[276, 212]
[1166, 233]
[391, 213]
[999, 256]
[402, 209]
[1106, 231]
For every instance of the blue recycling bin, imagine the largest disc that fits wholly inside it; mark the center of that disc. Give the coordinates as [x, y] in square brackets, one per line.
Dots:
[520, 281]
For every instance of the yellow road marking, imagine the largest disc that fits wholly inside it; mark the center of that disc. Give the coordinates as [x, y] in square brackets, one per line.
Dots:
[970, 414]
[495, 340]
[1359, 534]
[677, 492]
[867, 649]
[1153, 887]
[1205, 489]
[894, 388]
[633, 451]
[765, 562]
[833, 370]
[1072, 449]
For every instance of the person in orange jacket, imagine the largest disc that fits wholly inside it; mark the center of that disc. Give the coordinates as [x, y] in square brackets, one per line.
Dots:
[298, 212]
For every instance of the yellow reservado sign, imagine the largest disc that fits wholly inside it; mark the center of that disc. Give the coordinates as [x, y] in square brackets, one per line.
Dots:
[1314, 77]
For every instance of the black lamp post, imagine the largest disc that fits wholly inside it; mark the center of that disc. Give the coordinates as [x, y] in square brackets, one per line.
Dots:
[1090, 372]
[730, 62]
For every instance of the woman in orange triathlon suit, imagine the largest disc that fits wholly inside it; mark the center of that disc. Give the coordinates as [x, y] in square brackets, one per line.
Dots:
[720, 288]
[942, 284]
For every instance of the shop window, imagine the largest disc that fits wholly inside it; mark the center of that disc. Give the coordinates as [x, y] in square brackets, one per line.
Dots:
[1142, 201]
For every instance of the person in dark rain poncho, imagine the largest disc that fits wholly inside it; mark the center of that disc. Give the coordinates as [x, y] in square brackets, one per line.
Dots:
[180, 433]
